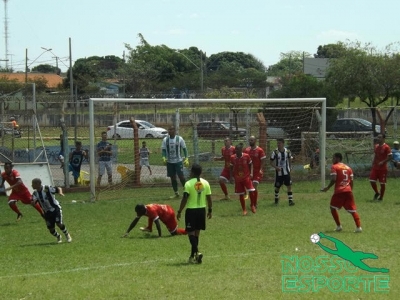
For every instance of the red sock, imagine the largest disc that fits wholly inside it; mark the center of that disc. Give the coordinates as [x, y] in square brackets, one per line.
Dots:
[383, 188]
[242, 202]
[14, 207]
[223, 188]
[253, 198]
[335, 216]
[374, 187]
[356, 218]
[38, 208]
[181, 231]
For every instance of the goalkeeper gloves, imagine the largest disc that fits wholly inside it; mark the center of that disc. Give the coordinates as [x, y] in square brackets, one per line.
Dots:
[164, 160]
[186, 162]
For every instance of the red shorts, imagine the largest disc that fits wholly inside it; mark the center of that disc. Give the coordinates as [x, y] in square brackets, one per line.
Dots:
[242, 186]
[345, 200]
[378, 175]
[257, 176]
[24, 196]
[170, 223]
[225, 174]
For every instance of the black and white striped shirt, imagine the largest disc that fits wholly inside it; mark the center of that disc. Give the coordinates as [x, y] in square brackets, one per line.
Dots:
[46, 198]
[282, 160]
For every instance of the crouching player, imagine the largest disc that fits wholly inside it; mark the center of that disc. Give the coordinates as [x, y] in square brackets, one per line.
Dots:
[44, 195]
[155, 213]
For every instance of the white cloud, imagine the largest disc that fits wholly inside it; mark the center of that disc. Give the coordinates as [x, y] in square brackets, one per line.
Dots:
[175, 31]
[337, 35]
[193, 16]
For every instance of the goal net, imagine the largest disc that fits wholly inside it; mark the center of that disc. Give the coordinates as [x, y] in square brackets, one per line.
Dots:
[23, 146]
[357, 148]
[204, 124]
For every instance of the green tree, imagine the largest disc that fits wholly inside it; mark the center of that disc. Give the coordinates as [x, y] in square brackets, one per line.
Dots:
[289, 64]
[366, 73]
[46, 68]
[299, 86]
[160, 68]
[331, 50]
[87, 71]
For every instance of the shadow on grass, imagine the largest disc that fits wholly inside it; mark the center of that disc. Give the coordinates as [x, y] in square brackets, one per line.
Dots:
[180, 264]
[42, 244]
[8, 224]
[15, 223]
[148, 237]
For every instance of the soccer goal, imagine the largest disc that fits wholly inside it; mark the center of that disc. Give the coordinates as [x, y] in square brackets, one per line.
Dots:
[26, 151]
[204, 124]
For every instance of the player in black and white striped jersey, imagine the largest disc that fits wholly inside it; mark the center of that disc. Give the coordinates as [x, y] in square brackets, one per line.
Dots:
[280, 160]
[44, 195]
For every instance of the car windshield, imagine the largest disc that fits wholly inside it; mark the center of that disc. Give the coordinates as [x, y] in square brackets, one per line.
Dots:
[146, 124]
[365, 122]
[225, 124]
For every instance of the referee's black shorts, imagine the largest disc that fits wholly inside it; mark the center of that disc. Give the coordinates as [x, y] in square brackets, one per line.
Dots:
[195, 219]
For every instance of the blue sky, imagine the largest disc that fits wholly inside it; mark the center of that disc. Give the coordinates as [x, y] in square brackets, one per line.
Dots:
[263, 28]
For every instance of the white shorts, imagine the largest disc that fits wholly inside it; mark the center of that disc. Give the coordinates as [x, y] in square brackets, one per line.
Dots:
[144, 162]
[105, 165]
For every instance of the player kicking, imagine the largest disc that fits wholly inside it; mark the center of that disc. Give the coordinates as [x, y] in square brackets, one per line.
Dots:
[155, 213]
[342, 179]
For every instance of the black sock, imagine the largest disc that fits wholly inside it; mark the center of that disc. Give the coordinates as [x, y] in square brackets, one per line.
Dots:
[193, 241]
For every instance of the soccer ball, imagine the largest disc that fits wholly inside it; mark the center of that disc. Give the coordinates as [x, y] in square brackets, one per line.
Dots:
[314, 238]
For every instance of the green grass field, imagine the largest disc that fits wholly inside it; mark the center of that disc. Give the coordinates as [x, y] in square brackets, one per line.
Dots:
[242, 255]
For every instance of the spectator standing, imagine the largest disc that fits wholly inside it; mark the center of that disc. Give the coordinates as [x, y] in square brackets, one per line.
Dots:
[104, 152]
[144, 154]
[396, 155]
[75, 160]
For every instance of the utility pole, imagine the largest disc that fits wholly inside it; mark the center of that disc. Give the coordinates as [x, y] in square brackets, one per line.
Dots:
[56, 57]
[201, 72]
[26, 65]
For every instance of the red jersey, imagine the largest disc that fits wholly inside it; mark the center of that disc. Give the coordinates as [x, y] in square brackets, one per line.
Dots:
[13, 179]
[381, 154]
[226, 153]
[257, 155]
[159, 211]
[241, 166]
[344, 176]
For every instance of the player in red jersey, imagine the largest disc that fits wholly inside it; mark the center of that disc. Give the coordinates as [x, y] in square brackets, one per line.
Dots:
[342, 179]
[241, 171]
[155, 213]
[19, 192]
[258, 158]
[383, 154]
[226, 152]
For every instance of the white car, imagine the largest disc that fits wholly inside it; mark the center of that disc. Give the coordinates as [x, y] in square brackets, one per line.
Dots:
[124, 130]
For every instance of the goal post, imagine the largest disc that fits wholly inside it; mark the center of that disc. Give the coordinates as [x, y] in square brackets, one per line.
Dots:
[240, 112]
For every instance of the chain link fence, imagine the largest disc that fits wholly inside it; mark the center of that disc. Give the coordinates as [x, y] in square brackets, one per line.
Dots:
[19, 145]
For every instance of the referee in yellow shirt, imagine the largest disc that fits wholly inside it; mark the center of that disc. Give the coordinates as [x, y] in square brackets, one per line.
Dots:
[196, 197]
